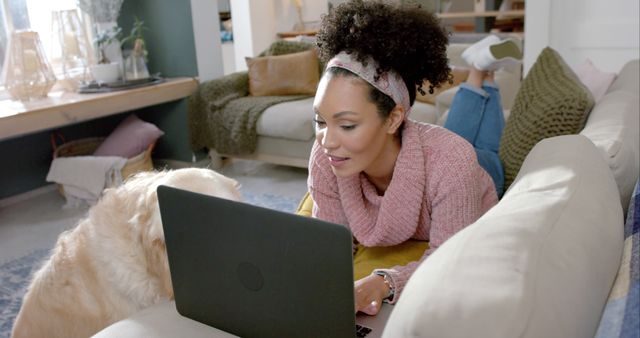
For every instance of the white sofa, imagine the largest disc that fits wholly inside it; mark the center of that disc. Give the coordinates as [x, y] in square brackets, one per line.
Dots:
[541, 263]
[285, 130]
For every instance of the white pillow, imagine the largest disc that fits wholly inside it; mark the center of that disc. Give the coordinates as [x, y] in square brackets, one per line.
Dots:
[593, 78]
[613, 126]
[538, 264]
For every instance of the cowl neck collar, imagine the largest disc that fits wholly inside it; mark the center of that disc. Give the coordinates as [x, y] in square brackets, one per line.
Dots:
[393, 217]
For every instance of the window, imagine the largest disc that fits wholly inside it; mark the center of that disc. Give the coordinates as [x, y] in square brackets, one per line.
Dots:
[29, 14]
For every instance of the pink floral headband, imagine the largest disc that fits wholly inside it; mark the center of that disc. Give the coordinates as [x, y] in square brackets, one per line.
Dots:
[389, 82]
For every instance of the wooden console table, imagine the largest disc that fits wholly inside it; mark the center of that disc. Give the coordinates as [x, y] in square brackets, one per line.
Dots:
[61, 108]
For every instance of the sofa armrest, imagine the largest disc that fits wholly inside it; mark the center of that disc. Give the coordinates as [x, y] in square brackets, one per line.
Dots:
[211, 95]
[217, 90]
[540, 263]
[443, 103]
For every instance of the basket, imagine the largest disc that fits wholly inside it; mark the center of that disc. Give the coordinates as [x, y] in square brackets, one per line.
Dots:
[86, 147]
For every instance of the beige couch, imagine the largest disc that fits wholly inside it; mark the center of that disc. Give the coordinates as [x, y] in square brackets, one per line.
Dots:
[285, 130]
[547, 258]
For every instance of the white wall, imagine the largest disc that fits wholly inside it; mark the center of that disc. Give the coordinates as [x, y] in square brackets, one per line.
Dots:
[287, 16]
[257, 22]
[206, 32]
[228, 58]
[242, 31]
[607, 32]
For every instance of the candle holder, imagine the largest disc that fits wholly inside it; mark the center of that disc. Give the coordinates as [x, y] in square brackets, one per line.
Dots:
[71, 52]
[27, 74]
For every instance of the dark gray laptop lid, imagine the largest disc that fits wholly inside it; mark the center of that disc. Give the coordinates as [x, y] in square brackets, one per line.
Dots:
[256, 272]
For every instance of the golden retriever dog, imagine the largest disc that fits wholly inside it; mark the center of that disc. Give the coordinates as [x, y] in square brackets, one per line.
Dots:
[114, 262]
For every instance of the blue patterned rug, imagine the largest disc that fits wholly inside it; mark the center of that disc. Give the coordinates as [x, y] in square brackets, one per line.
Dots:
[16, 274]
[14, 278]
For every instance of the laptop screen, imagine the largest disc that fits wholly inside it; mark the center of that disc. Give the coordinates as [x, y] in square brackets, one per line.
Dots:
[253, 271]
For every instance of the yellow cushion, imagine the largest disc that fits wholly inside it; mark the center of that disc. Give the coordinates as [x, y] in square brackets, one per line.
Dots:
[306, 206]
[289, 74]
[368, 259]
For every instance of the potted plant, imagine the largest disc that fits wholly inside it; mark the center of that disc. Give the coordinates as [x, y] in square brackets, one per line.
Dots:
[136, 62]
[106, 71]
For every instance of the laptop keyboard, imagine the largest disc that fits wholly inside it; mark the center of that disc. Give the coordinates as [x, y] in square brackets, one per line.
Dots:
[362, 331]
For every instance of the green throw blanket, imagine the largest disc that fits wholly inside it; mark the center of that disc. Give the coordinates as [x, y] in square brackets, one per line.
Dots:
[223, 117]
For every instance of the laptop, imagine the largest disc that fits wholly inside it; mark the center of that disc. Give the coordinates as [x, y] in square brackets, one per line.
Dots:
[257, 272]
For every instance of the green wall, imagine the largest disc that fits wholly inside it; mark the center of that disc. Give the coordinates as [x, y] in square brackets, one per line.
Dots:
[170, 42]
[24, 161]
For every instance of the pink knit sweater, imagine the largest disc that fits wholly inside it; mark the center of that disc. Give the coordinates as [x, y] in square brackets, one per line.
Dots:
[437, 189]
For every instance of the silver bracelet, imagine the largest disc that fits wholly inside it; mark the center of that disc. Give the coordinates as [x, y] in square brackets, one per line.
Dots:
[389, 282]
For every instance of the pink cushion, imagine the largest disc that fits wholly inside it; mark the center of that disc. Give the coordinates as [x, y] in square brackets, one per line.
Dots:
[596, 80]
[131, 137]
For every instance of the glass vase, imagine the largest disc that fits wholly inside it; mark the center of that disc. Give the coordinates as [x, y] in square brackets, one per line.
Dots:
[71, 52]
[135, 66]
[27, 74]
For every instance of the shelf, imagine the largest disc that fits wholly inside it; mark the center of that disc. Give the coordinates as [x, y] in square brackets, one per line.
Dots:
[293, 34]
[458, 15]
[61, 108]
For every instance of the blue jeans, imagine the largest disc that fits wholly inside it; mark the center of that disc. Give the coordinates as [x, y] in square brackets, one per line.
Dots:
[476, 115]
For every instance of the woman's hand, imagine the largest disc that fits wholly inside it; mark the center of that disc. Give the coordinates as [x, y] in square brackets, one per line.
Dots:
[370, 292]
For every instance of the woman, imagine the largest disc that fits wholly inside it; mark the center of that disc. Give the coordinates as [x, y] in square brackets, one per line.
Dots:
[395, 182]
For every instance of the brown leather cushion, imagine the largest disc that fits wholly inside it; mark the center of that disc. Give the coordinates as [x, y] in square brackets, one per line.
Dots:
[288, 74]
[460, 75]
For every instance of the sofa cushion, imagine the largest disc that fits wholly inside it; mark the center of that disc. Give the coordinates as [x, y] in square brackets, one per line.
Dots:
[538, 264]
[613, 127]
[288, 74]
[159, 321]
[551, 101]
[290, 120]
[423, 112]
[131, 137]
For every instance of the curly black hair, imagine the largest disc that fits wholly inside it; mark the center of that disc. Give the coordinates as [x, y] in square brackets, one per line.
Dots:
[404, 38]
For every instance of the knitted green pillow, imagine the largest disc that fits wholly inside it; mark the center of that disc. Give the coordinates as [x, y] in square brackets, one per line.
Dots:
[551, 102]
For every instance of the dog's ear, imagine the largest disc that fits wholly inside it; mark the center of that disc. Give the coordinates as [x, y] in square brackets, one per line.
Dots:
[146, 214]
[147, 223]
[236, 184]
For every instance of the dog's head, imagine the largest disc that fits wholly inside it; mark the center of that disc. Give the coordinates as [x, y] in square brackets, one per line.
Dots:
[139, 207]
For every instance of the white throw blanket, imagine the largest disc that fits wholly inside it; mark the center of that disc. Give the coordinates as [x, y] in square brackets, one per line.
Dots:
[84, 177]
